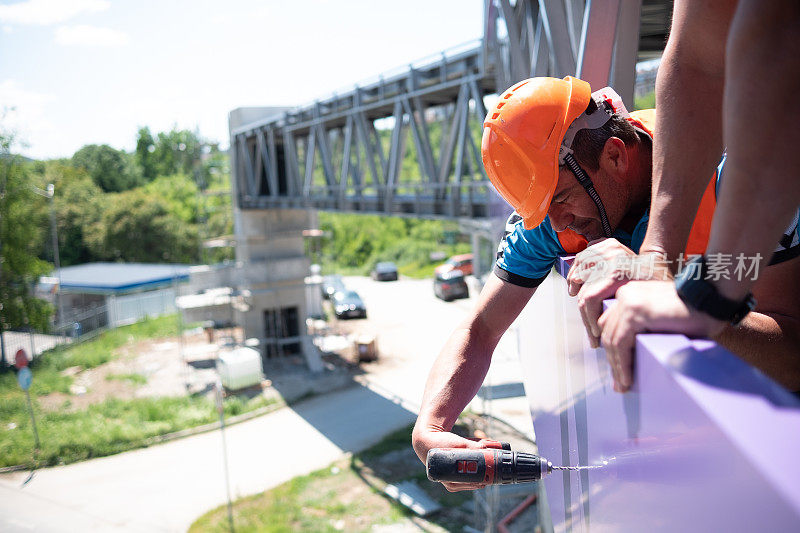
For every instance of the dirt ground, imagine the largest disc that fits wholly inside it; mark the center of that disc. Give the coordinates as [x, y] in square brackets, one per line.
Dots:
[172, 366]
[178, 366]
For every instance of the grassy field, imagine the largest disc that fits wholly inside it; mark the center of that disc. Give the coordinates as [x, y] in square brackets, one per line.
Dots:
[346, 496]
[647, 101]
[111, 426]
[48, 368]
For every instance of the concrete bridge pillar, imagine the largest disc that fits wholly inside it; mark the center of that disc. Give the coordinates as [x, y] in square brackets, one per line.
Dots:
[273, 269]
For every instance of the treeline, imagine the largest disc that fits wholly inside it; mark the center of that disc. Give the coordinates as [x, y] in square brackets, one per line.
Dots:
[352, 244]
[147, 206]
[156, 204]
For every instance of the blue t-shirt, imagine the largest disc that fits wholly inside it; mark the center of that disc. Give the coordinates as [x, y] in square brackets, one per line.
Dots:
[525, 257]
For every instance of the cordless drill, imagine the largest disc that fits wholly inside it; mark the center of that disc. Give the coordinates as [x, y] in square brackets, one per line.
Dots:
[491, 466]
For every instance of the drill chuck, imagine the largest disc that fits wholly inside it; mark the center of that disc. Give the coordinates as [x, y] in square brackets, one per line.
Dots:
[490, 466]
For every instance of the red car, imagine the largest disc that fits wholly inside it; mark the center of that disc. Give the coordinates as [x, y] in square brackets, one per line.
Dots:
[462, 263]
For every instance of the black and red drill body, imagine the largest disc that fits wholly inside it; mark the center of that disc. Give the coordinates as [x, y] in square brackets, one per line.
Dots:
[488, 465]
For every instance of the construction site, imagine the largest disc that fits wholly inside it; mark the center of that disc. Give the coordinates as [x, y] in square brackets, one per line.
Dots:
[275, 394]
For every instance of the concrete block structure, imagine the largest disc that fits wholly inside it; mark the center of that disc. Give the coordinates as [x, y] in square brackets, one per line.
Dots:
[272, 270]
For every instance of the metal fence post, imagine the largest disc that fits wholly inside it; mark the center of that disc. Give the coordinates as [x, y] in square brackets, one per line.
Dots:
[3, 365]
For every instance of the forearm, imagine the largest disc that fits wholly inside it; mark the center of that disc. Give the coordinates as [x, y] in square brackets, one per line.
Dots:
[770, 342]
[688, 133]
[761, 190]
[458, 372]
[454, 379]
[682, 166]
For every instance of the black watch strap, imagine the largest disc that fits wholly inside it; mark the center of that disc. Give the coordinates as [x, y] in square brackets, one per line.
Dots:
[697, 291]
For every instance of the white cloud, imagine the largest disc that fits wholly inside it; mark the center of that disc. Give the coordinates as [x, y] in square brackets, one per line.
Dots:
[48, 12]
[90, 36]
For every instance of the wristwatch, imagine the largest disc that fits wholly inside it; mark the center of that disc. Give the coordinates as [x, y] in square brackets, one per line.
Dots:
[696, 291]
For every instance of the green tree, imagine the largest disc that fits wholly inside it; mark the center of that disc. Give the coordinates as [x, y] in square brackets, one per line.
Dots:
[110, 169]
[21, 239]
[177, 151]
[356, 242]
[215, 170]
[79, 206]
[179, 193]
[144, 155]
[137, 226]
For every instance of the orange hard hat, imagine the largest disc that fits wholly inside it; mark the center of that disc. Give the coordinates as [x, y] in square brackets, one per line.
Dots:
[522, 138]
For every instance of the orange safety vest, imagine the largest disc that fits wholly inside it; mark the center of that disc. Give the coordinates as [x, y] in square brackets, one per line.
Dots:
[701, 228]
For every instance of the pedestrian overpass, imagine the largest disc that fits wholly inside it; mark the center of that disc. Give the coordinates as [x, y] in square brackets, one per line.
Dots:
[408, 141]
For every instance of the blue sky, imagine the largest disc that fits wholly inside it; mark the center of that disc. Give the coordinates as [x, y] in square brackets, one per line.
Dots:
[75, 72]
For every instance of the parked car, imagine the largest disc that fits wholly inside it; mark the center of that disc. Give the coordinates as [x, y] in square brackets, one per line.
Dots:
[462, 263]
[348, 304]
[385, 271]
[331, 285]
[450, 285]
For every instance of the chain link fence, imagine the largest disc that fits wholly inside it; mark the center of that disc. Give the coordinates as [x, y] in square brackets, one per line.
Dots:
[83, 324]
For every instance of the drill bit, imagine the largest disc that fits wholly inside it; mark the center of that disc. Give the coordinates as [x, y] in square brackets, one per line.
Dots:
[551, 466]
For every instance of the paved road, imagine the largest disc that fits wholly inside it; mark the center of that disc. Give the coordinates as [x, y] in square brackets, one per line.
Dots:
[166, 487]
[412, 326]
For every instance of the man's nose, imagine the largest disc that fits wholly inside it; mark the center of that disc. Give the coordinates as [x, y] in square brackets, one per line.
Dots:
[560, 218]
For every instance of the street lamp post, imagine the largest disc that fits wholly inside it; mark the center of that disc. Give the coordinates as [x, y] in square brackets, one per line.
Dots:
[51, 193]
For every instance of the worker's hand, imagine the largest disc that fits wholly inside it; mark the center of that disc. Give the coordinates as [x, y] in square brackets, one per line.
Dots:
[601, 269]
[647, 306]
[425, 439]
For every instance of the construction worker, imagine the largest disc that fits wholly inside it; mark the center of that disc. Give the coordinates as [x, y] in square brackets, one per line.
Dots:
[576, 167]
[724, 80]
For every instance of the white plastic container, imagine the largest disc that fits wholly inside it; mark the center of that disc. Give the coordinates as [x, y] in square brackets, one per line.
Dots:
[240, 368]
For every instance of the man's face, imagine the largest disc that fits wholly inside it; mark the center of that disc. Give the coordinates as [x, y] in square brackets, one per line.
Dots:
[572, 207]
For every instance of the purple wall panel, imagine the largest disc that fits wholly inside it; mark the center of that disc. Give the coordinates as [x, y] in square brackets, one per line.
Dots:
[703, 442]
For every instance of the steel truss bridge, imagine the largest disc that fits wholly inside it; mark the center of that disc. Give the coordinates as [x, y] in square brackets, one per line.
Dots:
[408, 143]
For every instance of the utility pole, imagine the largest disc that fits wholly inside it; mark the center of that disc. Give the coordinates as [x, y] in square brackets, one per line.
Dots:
[3, 365]
[51, 192]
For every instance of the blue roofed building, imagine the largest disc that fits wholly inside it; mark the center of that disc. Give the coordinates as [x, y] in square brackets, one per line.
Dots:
[95, 295]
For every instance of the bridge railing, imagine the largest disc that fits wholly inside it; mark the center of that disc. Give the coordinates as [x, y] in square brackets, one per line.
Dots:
[471, 199]
[703, 442]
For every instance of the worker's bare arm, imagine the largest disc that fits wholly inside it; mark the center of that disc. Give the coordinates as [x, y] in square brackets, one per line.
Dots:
[688, 132]
[769, 338]
[760, 192]
[461, 366]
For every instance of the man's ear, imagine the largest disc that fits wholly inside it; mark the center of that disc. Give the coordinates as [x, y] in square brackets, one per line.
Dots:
[614, 158]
